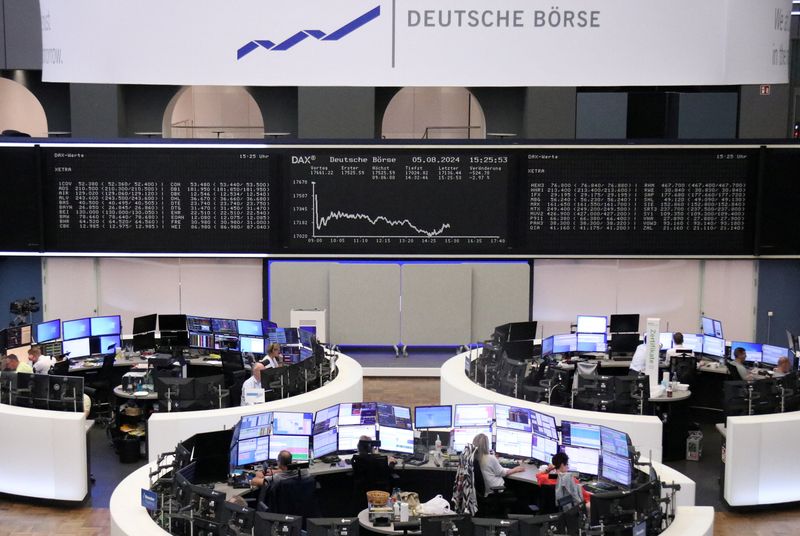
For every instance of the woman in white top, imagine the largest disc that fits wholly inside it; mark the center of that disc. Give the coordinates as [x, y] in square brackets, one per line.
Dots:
[493, 473]
[273, 358]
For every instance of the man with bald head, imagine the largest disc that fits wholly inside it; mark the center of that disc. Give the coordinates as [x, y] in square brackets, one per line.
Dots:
[783, 368]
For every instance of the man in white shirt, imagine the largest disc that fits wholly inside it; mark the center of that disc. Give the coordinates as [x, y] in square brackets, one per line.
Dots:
[253, 382]
[677, 340]
[41, 363]
[783, 368]
[639, 360]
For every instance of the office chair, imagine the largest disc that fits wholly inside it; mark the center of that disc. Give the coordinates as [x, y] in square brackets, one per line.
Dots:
[497, 503]
[103, 390]
[40, 390]
[294, 496]
[370, 472]
[60, 368]
[684, 367]
[733, 371]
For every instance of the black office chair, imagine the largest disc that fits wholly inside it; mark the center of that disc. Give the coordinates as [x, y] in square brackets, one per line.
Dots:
[497, 503]
[371, 472]
[102, 392]
[294, 495]
[60, 368]
[684, 367]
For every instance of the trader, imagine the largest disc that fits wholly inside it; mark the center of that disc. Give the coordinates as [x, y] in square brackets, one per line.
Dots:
[253, 382]
[782, 368]
[41, 363]
[739, 357]
[677, 346]
[274, 475]
[639, 360]
[13, 363]
[493, 473]
[273, 358]
[564, 484]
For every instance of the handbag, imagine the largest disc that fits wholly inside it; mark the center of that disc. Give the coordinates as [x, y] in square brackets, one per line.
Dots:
[438, 506]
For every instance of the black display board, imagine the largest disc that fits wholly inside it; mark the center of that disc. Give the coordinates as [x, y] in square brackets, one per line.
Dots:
[779, 231]
[157, 199]
[387, 201]
[20, 207]
[640, 201]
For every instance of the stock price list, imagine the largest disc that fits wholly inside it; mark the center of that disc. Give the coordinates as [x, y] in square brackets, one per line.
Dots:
[398, 201]
[641, 201]
[158, 199]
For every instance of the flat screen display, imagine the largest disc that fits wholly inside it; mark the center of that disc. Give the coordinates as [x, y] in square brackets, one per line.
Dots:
[76, 329]
[592, 324]
[291, 423]
[752, 349]
[255, 425]
[547, 346]
[578, 434]
[250, 327]
[624, 323]
[105, 325]
[350, 435]
[77, 347]
[713, 346]
[613, 441]
[357, 413]
[251, 345]
[325, 419]
[543, 448]
[225, 326]
[201, 340]
[326, 443]
[394, 416]
[144, 324]
[252, 451]
[583, 460]
[544, 425]
[564, 343]
[108, 344]
[48, 331]
[513, 417]
[513, 443]
[172, 322]
[665, 340]
[296, 444]
[693, 341]
[474, 415]
[591, 342]
[463, 436]
[771, 354]
[433, 417]
[198, 324]
[396, 439]
[617, 469]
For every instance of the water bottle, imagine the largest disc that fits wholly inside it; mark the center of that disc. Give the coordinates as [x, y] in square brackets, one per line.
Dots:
[438, 444]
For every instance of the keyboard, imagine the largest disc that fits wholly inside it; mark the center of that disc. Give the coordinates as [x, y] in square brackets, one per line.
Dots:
[597, 486]
[508, 464]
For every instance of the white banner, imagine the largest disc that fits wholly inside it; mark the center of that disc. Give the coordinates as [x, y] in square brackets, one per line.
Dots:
[416, 42]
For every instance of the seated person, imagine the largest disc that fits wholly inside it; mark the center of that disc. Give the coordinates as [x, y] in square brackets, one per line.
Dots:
[739, 357]
[639, 359]
[493, 473]
[253, 382]
[12, 363]
[41, 363]
[566, 485]
[677, 344]
[273, 476]
[363, 449]
[783, 368]
[273, 358]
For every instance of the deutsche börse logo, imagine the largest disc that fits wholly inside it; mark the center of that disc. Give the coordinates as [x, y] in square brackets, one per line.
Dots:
[348, 28]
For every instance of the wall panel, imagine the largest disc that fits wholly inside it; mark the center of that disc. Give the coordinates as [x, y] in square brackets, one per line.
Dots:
[365, 303]
[224, 288]
[297, 285]
[70, 287]
[729, 295]
[500, 294]
[437, 304]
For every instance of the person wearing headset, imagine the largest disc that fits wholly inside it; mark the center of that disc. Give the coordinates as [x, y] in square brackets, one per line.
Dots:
[273, 358]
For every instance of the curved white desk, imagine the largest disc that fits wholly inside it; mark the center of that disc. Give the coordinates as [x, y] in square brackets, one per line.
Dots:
[54, 465]
[761, 466]
[166, 430]
[457, 388]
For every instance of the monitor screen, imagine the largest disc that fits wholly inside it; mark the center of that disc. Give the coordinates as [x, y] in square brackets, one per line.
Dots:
[76, 329]
[252, 345]
[433, 417]
[394, 416]
[268, 324]
[171, 322]
[718, 329]
[770, 354]
[306, 334]
[544, 425]
[566, 342]
[592, 324]
[753, 350]
[615, 468]
[547, 346]
[521, 331]
[296, 444]
[349, 436]
[543, 448]
[583, 460]
[108, 344]
[291, 423]
[201, 340]
[105, 325]
[513, 443]
[513, 417]
[591, 342]
[226, 342]
[613, 441]
[48, 331]
[255, 425]
[693, 341]
[77, 347]
[252, 451]
[225, 326]
[199, 324]
[144, 324]
[624, 323]
[357, 413]
[578, 434]
[250, 327]
[325, 419]
[396, 439]
[474, 415]
[462, 436]
[283, 335]
[707, 325]
[665, 339]
[713, 346]
[326, 443]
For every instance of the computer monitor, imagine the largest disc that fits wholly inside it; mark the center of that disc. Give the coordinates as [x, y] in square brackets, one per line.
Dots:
[283, 524]
[461, 436]
[144, 324]
[332, 526]
[399, 440]
[240, 517]
[198, 324]
[521, 331]
[292, 423]
[433, 417]
[547, 346]
[578, 434]
[76, 329]
[615, 468]
[255, 425]
[711, 327]
[77, 347]
[171, 322]
[771, 354]
[251, 345]
[544, 425]
[358, 413]
[495, 527]
[665, 340]
[326, 443]
[513, 417]
[350, 435]
[586, 461]
[626, 323]
[107, 344]
[325, 419]
[178, 388]
[199, 339]
[591, 342]
[543, 448]
[48, 331]
[296, 444]
[250, 327]
[623, 343]
[753, 349]
[473, 415]
[394, 416]
[693, 341]
[226, 342]
[614, 441]
[453, 525]
[254, 450]
[592, 324]
[713, 346]
[144, 341]
[225, 326]
[277, 335]
[105, 325]
[515, 443]
[565, 343]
